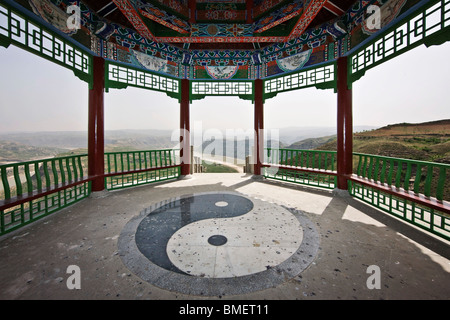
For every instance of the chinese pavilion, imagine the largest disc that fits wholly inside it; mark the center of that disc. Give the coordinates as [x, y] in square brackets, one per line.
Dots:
[253, 49]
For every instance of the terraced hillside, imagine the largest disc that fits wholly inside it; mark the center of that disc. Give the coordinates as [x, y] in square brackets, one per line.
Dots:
[429, 141]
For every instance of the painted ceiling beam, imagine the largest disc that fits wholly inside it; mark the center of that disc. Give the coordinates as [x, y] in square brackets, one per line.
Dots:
[280, 21]
[133, 16]
[162, 21]
[107, 9]
[306, 18]
[333, 8]
[220, 39]
[177, 6]
[265, 6]
[279, 16]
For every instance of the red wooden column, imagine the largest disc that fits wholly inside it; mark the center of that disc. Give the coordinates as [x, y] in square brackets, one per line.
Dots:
[344, 125]
[259, 126]
[96, 141]
[185, 149]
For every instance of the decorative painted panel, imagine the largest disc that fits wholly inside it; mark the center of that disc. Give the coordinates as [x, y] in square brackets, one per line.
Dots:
[154, 13]
[178, 6]
[310, 39]
[20, 30]
[317, 45]
[295, 61]
[279, 16]
[221, 72]
[430, 25]
[220, 39]
[308, 15]
[227, 12]
[388, 10]
[133, 16]
[264, 6]
[221, 30]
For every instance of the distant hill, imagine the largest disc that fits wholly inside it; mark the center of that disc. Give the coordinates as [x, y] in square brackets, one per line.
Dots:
[428, 141]
[24, 146]
[134, 139]
[312, 143]
[291, 135]
[57, 139]
[18, 152]
[430, 129]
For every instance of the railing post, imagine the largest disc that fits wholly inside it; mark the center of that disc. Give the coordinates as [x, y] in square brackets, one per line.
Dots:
[344, 126]
[259, 126]
[185, 145]
[96, 166]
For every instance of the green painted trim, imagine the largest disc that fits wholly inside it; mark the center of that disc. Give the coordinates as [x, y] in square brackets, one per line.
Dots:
[114, 84]
[5, 41]
[249, 97]
[37, 209]
[437, 38]
[405, 210]
[325, 85]
[56, 48]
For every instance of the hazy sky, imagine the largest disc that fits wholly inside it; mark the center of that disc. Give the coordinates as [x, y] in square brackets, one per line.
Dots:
[37, 95]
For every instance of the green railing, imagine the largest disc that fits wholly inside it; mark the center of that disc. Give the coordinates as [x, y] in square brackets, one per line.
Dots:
[131, 168]
[33, 189]
[310, 167]
[415, 191]
[420, 177]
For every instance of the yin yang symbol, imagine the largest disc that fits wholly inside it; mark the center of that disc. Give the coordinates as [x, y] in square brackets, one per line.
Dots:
[218, 235]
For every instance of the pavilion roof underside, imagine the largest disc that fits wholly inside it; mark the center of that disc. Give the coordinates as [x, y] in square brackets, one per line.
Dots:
[221, 39]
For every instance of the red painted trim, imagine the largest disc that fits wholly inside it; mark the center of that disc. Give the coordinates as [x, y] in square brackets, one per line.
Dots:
[344, 125]
[133, 16]
[306, 18]
[161, 21]
[119, 173]
[36, 194]
[259, 126]
[220, 39]
[330, 6]
[265, 6]
[443, 206]
[185, 144]
[279, 21]
[96, 138]
[301, 169]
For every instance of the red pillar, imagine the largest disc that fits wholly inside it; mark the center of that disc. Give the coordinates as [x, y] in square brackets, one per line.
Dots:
[259, 126]
[344, 125]
[185, 149]
[96, 165]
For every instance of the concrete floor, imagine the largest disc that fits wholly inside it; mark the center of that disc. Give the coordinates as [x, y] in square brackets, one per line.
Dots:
[353, 236]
